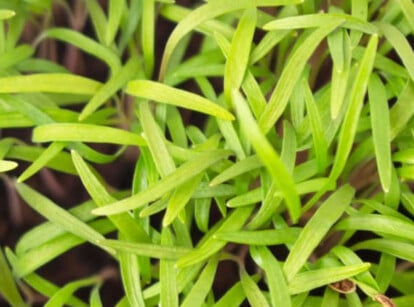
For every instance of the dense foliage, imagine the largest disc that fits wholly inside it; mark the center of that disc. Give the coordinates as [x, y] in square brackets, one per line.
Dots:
[272, 137]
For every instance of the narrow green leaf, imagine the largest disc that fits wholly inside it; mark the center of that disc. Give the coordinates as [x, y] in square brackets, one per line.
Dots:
[129, 226]
[40, 255]
[168, 275]
[269, 157]
[319, 20]
[179, 199]
[241, 167]
[42, 285]
[60, 163]
[261, 237]
[131, 278]
[330, 298]
[15, 56]
[203, 285]
[8, 288]
[86, 44]
[146, 249]
[395, 248]
[74, 132]
[380, 123]
[156, 141]
[316, 229]
[379, 224]
[6, 165]
[314, 279]
[319, 141]
[47, 155]
[58, 215]
[165, 94]
[6, 14]
[47, 231]
[350, 123]
[291, 74]
[104, 93]
[340, 47]
[402, 111]
[359, 10]
[407, 8]
[115, 10]
[232, 138]
[98, 18]
[50, 83]
[209, 245]
[276, 281]
[233, 297]
[95, 298]
[385, 271]
[148, 34]
[61, 297]
[238, 56]
[204, 13]
[401, 45]
[253, 293]
[185, 172]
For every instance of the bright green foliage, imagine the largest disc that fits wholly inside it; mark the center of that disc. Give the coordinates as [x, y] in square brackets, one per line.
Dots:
[281, 145]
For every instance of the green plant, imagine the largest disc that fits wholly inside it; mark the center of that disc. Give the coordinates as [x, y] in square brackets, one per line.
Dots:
[304, 150]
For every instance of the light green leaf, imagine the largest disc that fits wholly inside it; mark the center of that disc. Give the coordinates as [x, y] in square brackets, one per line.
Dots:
[129, 226]
[401, 45]
[402, 111]
[319, 141]
[146, 249]
[291, 74]
[156, 141]
[380, 124]
[260, 237]
[350, 123]
[58, 215]
[269, 156]
[115, 10]
[209, 245]
[185, 172]
[8, 288]
[244, 166]
[47, 155]
[203, 285]
[50, 83]
[319, 20]
[131, 278]
[380, 224]
[86, 44]
[238, 56]
[314, 279]
[395, 248]
[40, 255]
[253, 293]
[6, 165]
[6, 14]
[148, 34]
[165, 94]
[179, 199]
[74, 132]
[117, 81]
[407, 8]
[168, 275]
[61, 297]
[275, 279]
[204, 13]
[98, 18]
[316, 229]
